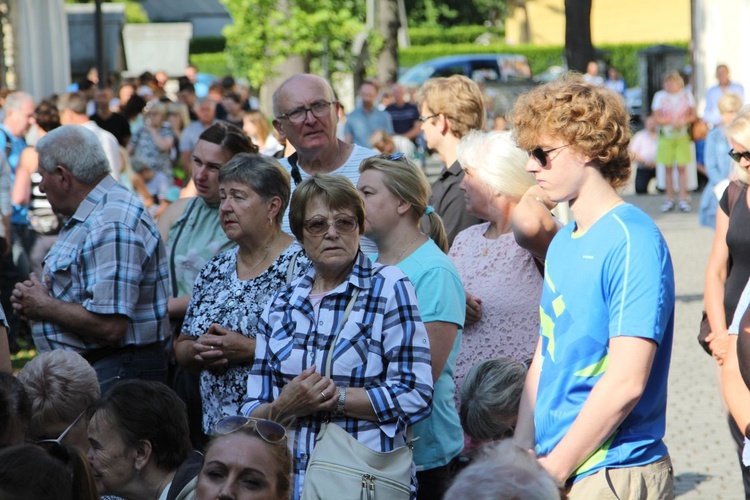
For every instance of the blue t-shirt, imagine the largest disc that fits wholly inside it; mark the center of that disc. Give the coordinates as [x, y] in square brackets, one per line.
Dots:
[361, 125]
[440, 297]
[17, 147]
[614, 280]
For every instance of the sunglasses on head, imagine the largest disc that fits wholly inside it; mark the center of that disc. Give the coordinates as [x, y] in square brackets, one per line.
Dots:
[51, 443]
[738, 156]
[540, 155]
[271, 432]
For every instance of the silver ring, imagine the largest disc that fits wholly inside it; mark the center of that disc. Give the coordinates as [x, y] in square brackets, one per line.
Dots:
[323, 394]
[212, 347]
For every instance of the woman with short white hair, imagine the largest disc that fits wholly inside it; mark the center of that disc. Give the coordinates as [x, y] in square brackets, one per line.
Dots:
[502, 280]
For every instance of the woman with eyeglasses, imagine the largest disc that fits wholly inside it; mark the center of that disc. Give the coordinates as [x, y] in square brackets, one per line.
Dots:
[727, 274]
[221, 323]
[139, 438]
[380, 378]
[395, 193]
[503, 281]
[247, 459]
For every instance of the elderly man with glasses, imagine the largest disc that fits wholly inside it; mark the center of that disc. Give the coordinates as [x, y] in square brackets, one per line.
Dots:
[306, 115]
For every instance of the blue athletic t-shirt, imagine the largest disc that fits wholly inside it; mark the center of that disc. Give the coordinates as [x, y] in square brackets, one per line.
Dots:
[614, 280]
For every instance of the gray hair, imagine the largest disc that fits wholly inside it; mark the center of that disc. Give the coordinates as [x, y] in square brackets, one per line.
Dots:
[263, 174]
[490, 396]
[74, 101]
[275, 99]
[75, 148]
[15, 100]
[497, 160]
[504, 471]
[61, 385]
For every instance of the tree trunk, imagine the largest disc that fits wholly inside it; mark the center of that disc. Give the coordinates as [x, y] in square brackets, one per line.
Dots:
[388, 24]
[578, 48]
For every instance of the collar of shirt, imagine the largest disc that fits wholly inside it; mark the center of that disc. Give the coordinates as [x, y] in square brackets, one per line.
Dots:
[360, 277]
[93, 198]
[454, 170]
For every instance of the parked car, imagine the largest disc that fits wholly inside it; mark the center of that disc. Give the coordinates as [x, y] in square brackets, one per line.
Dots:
[504, 76]
[479, 67]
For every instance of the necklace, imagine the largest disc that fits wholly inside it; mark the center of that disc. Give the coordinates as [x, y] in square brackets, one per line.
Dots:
[158, 488]
[398, 259]
[265, 255]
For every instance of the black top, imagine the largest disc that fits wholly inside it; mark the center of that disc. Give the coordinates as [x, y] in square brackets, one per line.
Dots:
[448, 201]
[738, 242]
[116, 125]
[403, 117]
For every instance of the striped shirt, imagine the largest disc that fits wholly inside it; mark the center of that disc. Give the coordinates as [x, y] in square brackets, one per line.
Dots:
[383, 348]
[110, 259]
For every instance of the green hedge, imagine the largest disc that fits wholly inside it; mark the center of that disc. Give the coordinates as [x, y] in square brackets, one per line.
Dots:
[207, 44]
[624, 57]
[454, 34]
[215, 64]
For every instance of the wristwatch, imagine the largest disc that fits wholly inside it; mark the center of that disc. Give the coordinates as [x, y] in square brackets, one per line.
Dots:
[339, 411]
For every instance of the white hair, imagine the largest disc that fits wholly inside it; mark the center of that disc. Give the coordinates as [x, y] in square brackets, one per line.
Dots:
[497, 161]
[75, 148]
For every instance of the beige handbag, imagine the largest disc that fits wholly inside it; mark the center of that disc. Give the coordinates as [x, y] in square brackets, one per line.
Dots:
[343, 468]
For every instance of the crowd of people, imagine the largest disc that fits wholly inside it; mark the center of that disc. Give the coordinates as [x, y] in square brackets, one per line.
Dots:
[226, 306]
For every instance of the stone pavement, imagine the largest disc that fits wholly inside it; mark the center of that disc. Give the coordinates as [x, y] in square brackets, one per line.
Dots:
[702, 450]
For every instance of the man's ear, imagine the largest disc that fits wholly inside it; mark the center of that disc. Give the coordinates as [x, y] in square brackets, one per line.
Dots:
[277, 126]
[66, 178]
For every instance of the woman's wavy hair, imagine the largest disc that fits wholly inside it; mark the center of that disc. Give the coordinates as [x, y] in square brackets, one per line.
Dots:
[592, 119]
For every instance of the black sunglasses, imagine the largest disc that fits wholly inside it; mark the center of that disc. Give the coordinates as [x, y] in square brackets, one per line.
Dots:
[269, 431]
[738, 156]
[540, 155]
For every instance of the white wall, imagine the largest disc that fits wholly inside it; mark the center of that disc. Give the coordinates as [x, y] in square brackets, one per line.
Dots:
[720, 36]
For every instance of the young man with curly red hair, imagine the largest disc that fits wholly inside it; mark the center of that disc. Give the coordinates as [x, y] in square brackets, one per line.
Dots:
[595, 399]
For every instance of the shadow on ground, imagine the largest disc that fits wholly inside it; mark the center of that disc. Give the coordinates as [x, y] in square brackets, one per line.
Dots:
[688, 481]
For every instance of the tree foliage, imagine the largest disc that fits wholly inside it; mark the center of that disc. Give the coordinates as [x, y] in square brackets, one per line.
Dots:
[266, 32]
[443, 13]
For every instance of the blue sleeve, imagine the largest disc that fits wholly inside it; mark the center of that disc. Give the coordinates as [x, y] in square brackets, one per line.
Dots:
[713, 162]
[440, 297]
[641, 284]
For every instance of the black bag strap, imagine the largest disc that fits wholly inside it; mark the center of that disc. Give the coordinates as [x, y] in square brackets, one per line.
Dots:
[295, 173]
[8, 145]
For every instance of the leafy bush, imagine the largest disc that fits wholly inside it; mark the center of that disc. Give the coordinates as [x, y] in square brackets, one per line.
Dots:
[207, 44]
[214, 63]
[134, 13]
[454, 34]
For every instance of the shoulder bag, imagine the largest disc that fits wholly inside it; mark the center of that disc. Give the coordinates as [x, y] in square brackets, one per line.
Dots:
[342, 467]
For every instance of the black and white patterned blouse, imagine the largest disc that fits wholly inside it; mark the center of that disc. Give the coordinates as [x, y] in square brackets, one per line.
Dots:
[220, 297]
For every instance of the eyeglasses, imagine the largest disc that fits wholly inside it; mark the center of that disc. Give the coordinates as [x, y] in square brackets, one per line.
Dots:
[50, 443]
[269, 431]
[540, 155]
[319, 225]
[423, 119]
[318, 109]
[738, 156]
